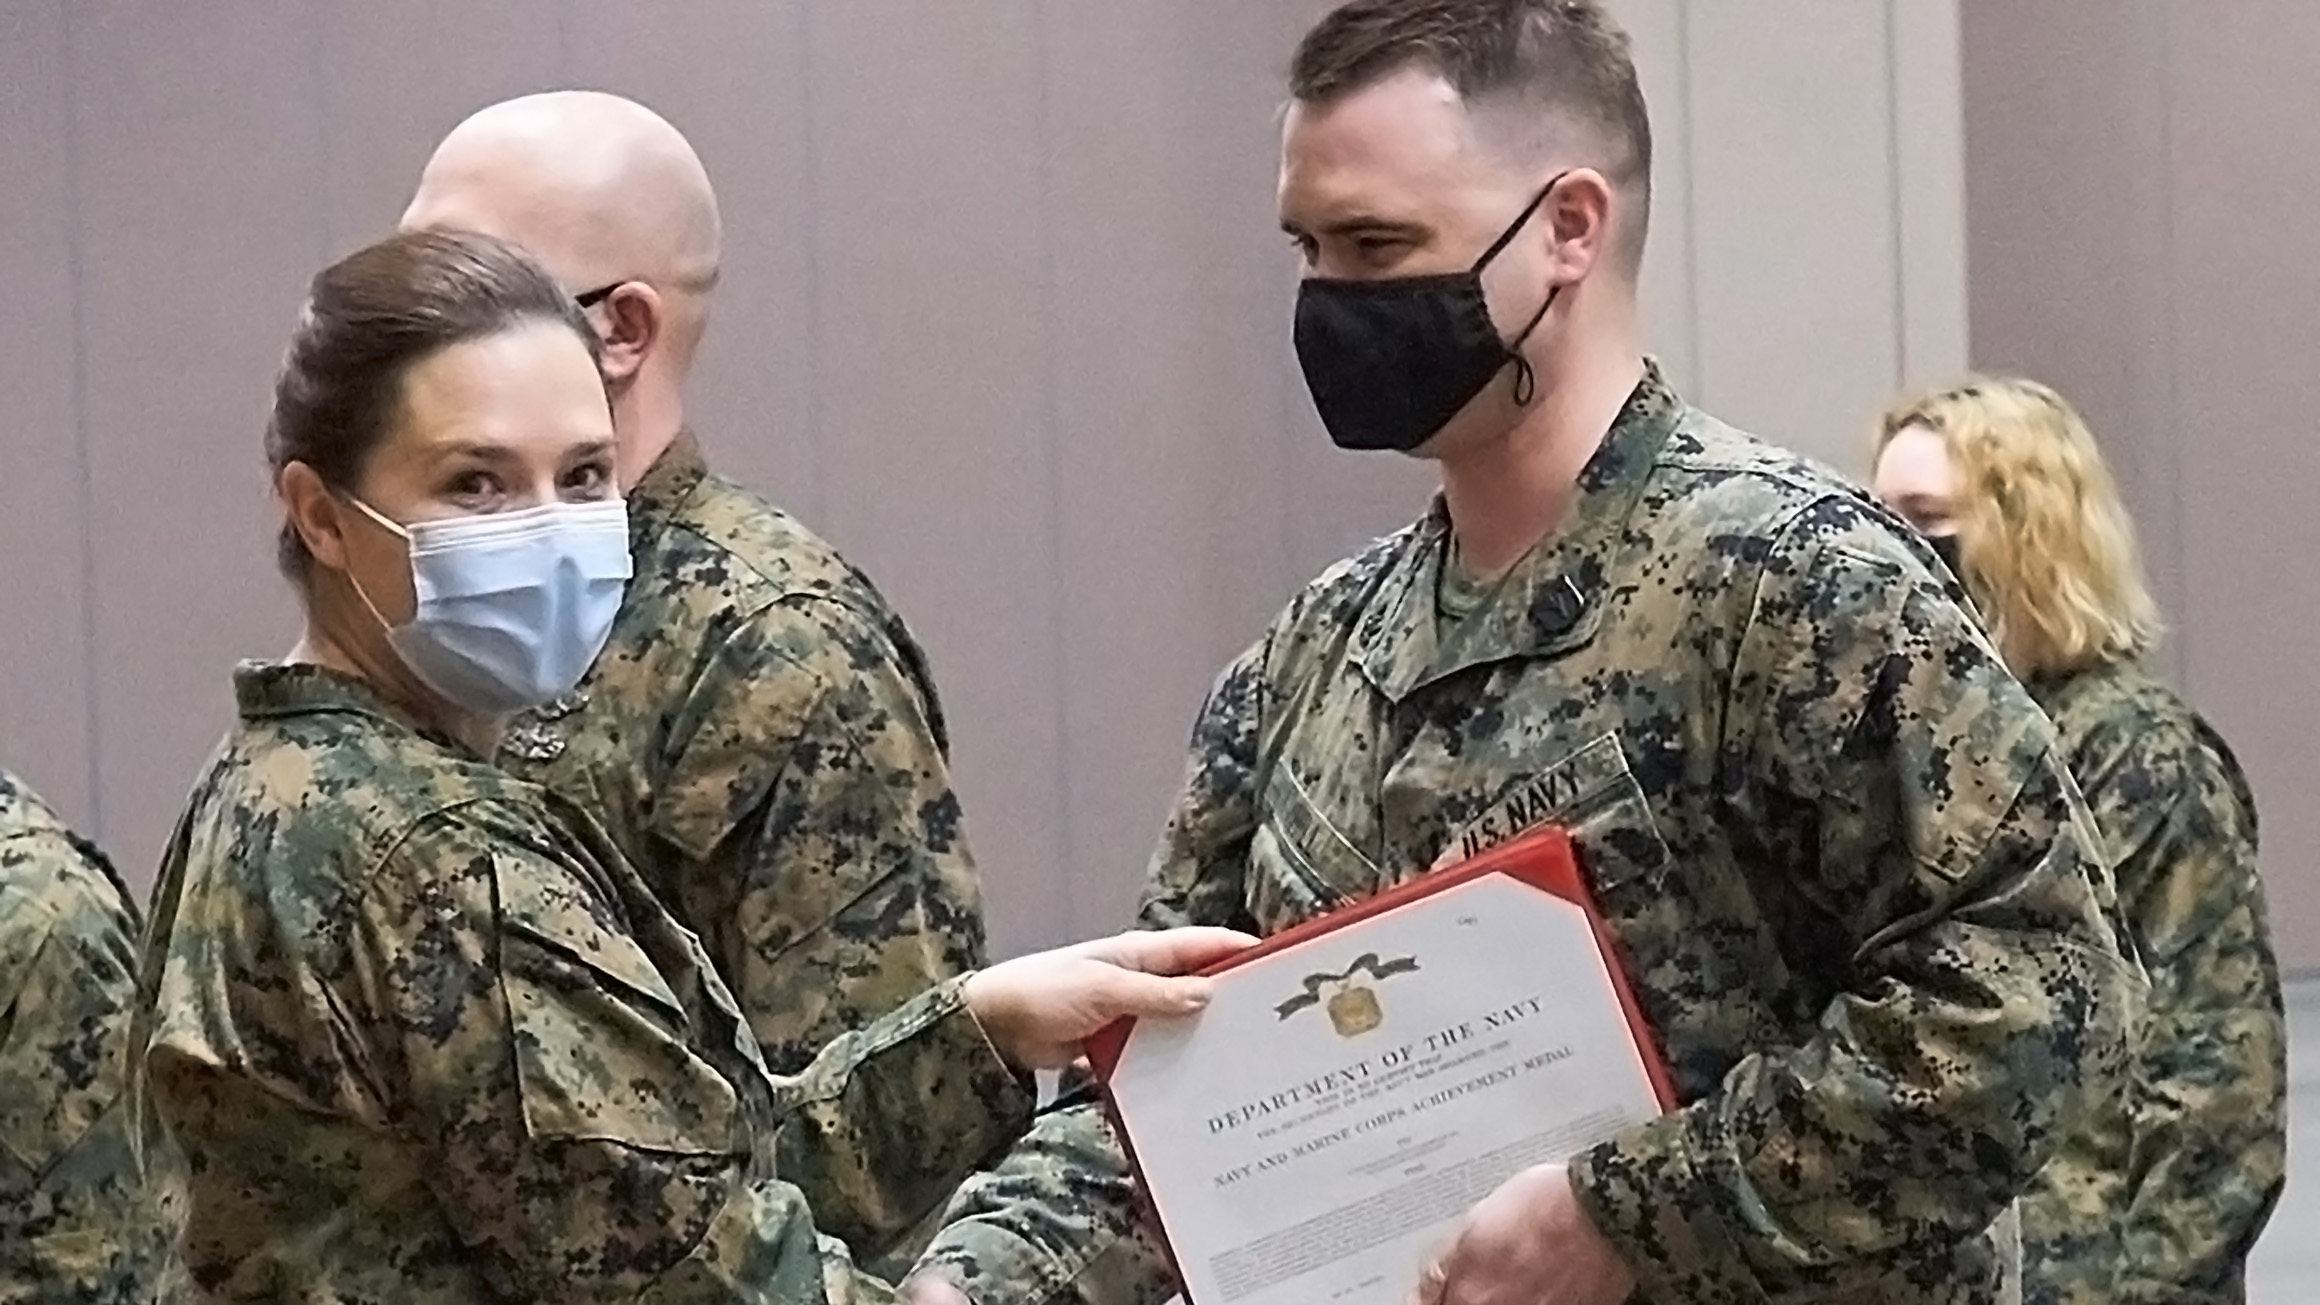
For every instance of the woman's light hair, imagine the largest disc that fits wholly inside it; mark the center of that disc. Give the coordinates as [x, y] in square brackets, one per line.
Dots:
[2047, 548]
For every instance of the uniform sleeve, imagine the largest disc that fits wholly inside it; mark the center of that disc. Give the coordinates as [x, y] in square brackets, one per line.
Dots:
[76, 1221]
[811, 796]
[1873, 745]
[580, 1143]
[884, 1124]
[1198, 874]
[1058, 1219]
[2207, 1097]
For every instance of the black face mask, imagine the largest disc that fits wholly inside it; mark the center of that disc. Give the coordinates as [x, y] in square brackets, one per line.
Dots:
[1945, 547]
[1390, 362]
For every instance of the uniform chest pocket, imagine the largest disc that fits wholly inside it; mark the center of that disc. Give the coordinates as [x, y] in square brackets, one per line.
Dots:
[1594, 796]
[1301, 862]
[602, 1045]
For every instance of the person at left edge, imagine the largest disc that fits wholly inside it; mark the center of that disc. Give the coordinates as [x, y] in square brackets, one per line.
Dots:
[420, 1032]
[79, 1222]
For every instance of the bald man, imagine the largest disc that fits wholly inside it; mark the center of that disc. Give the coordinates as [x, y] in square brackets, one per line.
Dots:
[761, 734]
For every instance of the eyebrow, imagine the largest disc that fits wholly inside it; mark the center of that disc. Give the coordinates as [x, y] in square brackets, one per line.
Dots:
[467, 449]
[501, 453]
[1358, 224]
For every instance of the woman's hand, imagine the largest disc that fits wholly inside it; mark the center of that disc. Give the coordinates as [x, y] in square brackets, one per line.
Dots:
[1038, 1009]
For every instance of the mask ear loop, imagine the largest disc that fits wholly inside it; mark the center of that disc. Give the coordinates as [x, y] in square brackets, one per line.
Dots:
[1521, 220]
[356, 585]
[1526, 377]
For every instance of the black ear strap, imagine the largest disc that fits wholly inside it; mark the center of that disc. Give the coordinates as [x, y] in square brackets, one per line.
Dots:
[1522, 220]
[1526, 377]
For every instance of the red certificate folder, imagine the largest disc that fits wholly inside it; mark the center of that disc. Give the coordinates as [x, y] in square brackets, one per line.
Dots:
[1543, 861]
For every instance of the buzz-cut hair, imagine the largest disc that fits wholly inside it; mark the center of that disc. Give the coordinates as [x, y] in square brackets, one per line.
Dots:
[1566, 61]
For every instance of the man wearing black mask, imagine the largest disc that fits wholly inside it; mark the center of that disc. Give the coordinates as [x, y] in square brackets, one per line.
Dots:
[1828, 831]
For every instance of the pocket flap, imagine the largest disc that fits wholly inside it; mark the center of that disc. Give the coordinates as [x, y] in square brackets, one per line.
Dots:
[603, 1047]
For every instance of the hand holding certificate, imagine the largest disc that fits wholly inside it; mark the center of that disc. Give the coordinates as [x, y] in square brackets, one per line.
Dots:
[1356, 1085]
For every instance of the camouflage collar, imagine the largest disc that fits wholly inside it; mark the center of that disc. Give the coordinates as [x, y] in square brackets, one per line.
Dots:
[1548, 603]
[275, 690]
[669, 481]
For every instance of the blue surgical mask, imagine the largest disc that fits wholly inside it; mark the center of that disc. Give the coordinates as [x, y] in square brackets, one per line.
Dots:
[513, 607]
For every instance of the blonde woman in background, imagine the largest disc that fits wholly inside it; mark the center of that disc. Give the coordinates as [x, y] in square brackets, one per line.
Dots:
[2160, 1196]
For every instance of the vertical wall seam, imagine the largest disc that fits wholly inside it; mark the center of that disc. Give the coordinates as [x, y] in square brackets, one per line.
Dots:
[2170, 333]
[1693, 335]
[325, 125]
[1043, 72]
[560, 19]
[76, 258]
[810, 212]
[1897, 229]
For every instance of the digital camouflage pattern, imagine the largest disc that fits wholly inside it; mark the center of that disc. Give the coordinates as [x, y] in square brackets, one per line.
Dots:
[2160, 1195]
[1840, 856]
[78, 1221]
[425, 1037]
[762, 737]
[1055, 1221]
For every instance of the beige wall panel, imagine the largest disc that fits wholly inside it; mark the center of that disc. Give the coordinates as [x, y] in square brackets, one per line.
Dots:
[1791, 129]
[45, 707]
[733, 76]
[933, 365]
[200, 201]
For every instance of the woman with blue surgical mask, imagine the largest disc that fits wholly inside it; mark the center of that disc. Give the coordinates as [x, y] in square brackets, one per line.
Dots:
[416, 1030]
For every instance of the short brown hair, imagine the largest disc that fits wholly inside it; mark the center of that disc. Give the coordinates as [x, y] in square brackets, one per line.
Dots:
[369, 319]
[1567, 58]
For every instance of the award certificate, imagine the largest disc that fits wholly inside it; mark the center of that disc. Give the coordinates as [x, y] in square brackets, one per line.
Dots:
[1358, 1083]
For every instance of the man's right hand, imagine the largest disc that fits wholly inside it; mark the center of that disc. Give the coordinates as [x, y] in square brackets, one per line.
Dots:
[1528, 1243]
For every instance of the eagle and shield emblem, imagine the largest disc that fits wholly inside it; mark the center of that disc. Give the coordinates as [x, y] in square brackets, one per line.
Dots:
[1352, 1001]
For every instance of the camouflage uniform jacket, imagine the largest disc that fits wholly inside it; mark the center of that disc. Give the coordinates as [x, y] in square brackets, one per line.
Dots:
[77, 1220]
[423, 1036]
[2159, 1196]
[762, 738]
[1830, 833]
